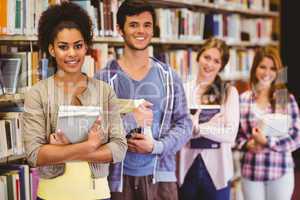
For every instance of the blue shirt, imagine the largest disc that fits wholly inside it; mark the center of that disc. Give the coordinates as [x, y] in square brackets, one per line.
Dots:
[151, 89]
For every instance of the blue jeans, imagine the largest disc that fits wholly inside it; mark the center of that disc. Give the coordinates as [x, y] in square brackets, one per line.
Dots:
[199, 185]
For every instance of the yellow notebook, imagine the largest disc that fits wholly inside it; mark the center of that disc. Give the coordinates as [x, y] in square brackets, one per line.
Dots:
[75, 184]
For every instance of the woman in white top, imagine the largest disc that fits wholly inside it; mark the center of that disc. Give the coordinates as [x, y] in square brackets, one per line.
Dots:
[206, 164]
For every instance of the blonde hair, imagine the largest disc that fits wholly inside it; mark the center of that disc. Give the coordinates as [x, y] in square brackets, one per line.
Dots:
[218, 44]
[217, 90]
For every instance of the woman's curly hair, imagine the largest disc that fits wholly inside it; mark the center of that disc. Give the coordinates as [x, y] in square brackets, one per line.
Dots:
[65, 15]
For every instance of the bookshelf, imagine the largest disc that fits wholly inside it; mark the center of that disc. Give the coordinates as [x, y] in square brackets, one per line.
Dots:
[225, 7]
[155, 41]
[11, 159]
[11, 98]
[182, 44]
[167, 43]
[239, 16]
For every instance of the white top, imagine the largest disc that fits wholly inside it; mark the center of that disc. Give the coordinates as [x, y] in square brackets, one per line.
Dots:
[222, 128]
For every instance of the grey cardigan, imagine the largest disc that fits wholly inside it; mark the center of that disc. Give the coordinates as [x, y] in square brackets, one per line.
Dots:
[40, 115]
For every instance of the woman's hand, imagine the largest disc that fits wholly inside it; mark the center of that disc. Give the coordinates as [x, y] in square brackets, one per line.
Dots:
[195, 117]
[253, 146]
[95, 135]
[218, 119]
[59, 138]
[259, 137]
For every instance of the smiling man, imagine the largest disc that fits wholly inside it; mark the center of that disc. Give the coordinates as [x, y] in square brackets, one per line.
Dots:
[148, 171]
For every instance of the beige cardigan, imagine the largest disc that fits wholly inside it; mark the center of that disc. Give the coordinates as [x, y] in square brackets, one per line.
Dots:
[40, 116]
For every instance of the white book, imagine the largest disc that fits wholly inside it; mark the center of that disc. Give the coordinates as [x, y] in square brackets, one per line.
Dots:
[15, 120]
[275, 124]
[3, 188]
[3, 146]
[127, 106]
[76, 121]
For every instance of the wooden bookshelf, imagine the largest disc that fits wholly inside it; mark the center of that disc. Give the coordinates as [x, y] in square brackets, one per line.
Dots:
[214, 7]
[119, 40]
[11, 98]
[12, 158]
[18, 38]
[240, 78]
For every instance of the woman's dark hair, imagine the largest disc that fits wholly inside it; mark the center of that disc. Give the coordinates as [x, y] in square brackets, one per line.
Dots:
[216, 93]
[133, 7]
[60, 16]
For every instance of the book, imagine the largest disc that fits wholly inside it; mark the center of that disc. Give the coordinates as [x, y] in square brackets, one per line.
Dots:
[34, 182]
[13, 183]
[127, 106]
[207, 112]
[23, 75]
[3, 187]
[2, 92]
[10, 69]
[5, 148]
[76, 121]
[274, 124]
[13, 119]
[24, 179]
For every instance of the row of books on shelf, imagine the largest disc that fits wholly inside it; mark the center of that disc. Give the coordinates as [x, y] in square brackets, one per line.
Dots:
[260, 5]
[180, 24]
[234, 28]
[191, 25]
[18, 182]
[21, 16]
[11, 134]
[172, 23]
[20, 70]
[184, 63]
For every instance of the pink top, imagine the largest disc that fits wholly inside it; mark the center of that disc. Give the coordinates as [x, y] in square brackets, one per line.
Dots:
[223, 128]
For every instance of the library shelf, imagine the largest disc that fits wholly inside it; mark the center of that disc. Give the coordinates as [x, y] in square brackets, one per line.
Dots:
[155, 41]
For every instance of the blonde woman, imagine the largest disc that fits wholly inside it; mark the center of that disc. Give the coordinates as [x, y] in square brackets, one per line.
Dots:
[207, 171]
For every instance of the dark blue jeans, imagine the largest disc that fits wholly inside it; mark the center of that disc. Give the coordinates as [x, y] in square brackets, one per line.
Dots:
[199, 185]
